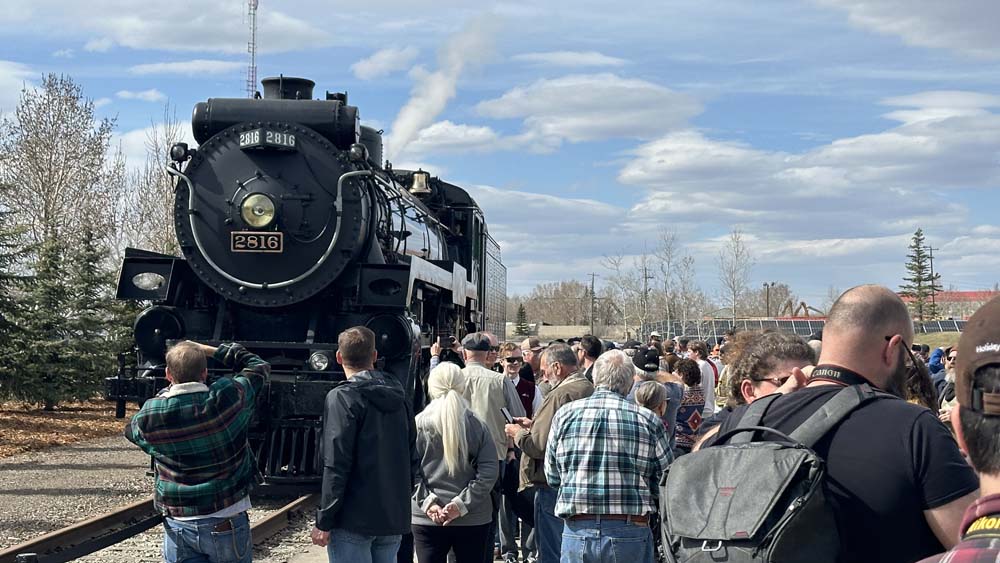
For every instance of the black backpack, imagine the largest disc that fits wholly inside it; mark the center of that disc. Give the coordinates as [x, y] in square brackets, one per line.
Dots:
[747, 500]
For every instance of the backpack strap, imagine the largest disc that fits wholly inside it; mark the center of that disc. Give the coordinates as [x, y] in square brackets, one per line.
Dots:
[832, 412]
[755, 412]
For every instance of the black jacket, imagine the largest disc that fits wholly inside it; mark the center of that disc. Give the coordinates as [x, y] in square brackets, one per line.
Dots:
[369, 457]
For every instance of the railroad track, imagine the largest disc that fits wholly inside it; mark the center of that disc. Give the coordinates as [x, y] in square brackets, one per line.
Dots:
[96, 533]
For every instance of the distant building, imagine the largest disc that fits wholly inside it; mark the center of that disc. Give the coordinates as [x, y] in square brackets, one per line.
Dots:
[959, 304]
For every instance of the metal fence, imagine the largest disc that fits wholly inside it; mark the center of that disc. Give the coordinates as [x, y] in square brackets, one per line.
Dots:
[712, 330]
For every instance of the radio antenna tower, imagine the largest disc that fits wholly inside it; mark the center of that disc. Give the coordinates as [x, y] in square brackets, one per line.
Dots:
[252, 49]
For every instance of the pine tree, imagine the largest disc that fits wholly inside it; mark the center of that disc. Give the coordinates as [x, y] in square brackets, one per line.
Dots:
[920, 285]
[92, 313]
[521, 327]
[12, 284]
[43, 362]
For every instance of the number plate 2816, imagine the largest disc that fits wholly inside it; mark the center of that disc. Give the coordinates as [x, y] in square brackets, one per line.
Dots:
[252, 241]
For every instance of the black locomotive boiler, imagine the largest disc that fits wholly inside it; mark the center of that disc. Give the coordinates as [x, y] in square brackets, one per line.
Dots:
[291, 231]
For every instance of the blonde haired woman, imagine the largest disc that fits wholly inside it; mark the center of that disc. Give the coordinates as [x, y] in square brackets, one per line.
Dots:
[451, 507]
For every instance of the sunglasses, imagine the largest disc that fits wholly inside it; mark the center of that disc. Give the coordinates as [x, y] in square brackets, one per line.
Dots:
[952, 358]
[512, 360]
[494, 348]
[909, 352]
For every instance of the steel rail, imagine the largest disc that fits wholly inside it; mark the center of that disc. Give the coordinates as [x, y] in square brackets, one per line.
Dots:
[86, 536]
[96, 533]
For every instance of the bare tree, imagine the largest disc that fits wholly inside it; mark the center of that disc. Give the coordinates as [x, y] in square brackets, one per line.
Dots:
[560, 303]
[767, 302]
[666, 258]
[832, 294]
[735, 264]
[59, 180]
[146, 207]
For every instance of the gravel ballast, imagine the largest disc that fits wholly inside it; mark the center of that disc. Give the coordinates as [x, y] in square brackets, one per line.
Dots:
[49, 489]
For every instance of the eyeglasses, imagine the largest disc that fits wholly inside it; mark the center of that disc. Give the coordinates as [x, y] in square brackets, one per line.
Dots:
[952, 358]
[777, 381]
[512, 360]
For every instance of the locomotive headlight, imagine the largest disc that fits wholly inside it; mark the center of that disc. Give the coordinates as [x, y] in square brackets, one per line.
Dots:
[257, 210]
[319, 361]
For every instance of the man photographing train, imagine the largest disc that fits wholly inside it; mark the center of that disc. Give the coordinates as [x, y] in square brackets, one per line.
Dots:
[197, 437]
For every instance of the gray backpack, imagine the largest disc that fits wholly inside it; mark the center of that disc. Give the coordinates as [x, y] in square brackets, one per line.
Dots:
[744, 500]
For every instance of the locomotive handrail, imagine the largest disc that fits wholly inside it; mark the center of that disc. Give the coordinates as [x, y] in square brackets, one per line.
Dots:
[338, 205]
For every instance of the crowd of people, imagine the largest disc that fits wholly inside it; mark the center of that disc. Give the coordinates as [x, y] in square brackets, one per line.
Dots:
[556, 452]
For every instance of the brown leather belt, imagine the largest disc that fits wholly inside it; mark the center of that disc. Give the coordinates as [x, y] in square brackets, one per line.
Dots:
[640, 520]
[224, 526]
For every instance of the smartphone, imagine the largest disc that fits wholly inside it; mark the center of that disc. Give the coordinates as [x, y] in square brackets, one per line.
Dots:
[506, 415]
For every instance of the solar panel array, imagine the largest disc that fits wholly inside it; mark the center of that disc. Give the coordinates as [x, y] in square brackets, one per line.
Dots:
[713, 330]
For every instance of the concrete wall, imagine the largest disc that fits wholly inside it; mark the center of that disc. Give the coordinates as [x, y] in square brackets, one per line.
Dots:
[551, 332]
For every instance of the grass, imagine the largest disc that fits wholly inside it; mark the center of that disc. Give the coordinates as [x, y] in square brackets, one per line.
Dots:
[25, 428]
[938, 339]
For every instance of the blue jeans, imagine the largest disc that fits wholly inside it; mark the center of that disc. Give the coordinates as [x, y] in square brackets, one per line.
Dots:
[596, 541]
[196, 541]
[548, 526]
[348, 547]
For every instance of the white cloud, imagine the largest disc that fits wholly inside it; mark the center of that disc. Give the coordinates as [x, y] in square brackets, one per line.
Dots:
[101, 45]
[539, 232]
[933, 149]
[13, 78]
[151, 95]
[215, 27]
[945, 99]
[588, 107]
[882, 185]
[101, 102]
[384, 62]
[433, 90]
[445, 136]
[194, 67]
[968, 26]
[63, 54]
[570, 59]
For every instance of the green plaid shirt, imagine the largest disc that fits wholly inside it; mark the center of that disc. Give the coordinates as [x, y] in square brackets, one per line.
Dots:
[197, 436]
[606, 455]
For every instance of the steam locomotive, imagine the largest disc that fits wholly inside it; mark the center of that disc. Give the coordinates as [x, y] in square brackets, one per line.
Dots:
[292, 230]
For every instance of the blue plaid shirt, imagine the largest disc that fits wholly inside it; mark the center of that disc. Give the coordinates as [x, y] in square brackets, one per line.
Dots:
[606, 455]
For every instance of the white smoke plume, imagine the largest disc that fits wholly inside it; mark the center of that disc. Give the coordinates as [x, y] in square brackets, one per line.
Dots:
[432, 91]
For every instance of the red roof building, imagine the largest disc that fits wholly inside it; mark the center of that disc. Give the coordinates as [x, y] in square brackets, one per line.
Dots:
[959, 304]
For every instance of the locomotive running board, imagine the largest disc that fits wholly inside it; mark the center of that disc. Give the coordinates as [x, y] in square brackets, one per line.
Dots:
[383, 284]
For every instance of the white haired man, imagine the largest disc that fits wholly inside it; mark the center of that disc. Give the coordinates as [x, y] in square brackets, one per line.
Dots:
[605, 456]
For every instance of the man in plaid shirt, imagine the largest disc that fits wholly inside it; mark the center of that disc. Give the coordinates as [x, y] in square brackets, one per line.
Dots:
[976, 422]
[605, 456]
[197, 436]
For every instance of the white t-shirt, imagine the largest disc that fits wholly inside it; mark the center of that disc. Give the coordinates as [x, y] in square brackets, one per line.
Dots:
[708, 384]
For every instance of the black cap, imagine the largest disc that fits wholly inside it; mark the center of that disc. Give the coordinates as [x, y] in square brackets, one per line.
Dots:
[647, 359]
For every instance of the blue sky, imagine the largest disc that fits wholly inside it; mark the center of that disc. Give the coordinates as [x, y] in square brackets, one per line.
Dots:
[828, 130]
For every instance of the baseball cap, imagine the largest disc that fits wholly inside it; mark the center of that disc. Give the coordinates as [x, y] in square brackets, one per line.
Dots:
[534, 344]
[646, 358]
[655, 334]
[477, 342]
[979, 346]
